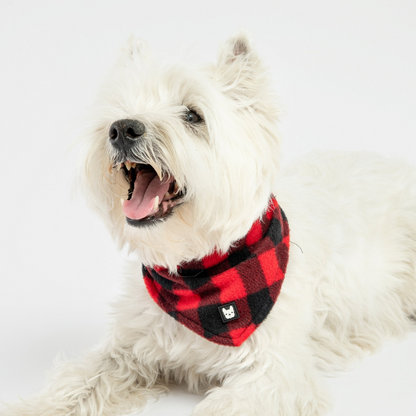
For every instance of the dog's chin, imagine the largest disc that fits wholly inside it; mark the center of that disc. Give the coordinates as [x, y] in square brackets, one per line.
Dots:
[150, 221]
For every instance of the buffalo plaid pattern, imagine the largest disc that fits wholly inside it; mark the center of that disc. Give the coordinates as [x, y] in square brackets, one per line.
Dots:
[249, 276]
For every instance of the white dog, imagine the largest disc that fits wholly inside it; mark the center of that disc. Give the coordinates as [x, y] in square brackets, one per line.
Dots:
[194, 152]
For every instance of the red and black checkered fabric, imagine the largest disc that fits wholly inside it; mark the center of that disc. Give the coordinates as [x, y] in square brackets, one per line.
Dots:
[250, 275]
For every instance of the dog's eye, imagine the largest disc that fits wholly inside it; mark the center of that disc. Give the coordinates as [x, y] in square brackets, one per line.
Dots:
[192, 117]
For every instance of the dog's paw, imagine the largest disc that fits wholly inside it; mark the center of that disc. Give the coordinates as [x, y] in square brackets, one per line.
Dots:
[229, 402]
[224, 402]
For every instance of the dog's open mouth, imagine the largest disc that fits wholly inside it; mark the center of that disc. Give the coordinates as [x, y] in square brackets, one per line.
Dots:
[150, 198]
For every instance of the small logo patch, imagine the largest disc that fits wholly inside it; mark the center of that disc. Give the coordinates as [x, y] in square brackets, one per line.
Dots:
[228, 312]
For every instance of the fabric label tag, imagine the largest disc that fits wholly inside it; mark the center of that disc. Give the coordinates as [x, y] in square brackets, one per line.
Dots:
[228, 312]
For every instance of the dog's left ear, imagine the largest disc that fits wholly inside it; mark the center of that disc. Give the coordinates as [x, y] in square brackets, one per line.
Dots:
[237, 48]
[239, 69]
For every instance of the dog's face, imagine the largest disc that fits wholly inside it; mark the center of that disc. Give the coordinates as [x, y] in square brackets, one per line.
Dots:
[182, 160]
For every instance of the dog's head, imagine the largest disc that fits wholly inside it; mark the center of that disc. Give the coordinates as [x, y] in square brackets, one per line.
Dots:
[180, 160]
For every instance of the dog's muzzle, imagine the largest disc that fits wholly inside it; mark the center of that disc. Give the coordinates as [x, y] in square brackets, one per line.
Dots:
[153, 193]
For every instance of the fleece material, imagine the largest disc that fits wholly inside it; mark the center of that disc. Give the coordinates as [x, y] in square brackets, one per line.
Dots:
[225, 297]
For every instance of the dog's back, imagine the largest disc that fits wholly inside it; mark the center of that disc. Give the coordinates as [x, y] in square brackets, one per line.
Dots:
[354, 217]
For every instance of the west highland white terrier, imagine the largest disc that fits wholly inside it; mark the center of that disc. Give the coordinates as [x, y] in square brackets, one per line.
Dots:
[252, 279]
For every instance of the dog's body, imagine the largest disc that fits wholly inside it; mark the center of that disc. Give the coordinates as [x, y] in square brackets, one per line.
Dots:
[350, 282]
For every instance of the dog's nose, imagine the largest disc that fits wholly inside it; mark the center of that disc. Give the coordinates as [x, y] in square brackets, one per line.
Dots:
[123, 134]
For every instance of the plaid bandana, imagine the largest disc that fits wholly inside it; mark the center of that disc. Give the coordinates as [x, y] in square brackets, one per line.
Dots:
[225, 297]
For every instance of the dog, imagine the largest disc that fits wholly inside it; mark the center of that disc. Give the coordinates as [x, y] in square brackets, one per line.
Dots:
[250, 279]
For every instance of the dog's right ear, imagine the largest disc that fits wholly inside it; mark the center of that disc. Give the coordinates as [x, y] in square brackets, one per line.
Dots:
[135, 48]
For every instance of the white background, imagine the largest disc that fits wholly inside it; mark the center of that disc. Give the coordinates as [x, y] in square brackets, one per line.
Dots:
[344, 69]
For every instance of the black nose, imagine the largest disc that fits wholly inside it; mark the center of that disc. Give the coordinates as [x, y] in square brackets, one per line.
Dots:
[124, 134]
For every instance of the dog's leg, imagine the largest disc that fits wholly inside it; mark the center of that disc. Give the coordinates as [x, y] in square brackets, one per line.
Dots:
[104, 383]
[283, 389]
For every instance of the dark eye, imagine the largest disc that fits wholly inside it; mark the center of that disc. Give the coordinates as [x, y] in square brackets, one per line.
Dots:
[192, 117]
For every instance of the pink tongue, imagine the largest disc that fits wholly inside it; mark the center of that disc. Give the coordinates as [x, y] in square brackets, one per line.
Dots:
[147, 187]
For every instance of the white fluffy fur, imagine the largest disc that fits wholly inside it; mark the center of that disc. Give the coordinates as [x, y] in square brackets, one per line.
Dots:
[350, 282]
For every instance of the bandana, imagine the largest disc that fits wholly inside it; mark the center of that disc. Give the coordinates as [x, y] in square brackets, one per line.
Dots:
[225, 297]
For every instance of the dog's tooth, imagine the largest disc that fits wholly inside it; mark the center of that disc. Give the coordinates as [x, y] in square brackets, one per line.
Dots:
[158, 172]
[128, 165]
[176, 189]
[133, 165]
[155, 206]
[119, 166]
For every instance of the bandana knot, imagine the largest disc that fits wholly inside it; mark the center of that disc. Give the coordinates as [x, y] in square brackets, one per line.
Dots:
[224, 297]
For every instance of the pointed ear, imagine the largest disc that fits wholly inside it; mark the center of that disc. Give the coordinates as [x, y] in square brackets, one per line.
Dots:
[135, 48]
[239, 70]
[238, 47]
